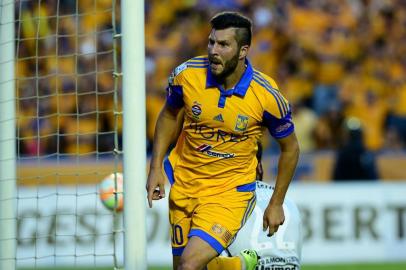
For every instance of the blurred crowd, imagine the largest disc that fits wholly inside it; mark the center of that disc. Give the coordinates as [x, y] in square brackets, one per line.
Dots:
[333, 60]
[64, 77]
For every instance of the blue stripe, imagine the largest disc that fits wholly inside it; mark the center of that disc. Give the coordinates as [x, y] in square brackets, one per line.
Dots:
[216, 245]
[247, 187]
[169, 171]
[268, 87]
[276, 99]
[262, 79]
[200, 58]
[194, 66]
[253, 206]
[222, 101]
[197, 63]
[244, 217]
[249, 209]
[177, 251]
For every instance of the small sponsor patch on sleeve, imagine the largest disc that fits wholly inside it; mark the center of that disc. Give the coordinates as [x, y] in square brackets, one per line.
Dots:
[279, 127]
[283, 127]
[175, 72]
[179, 69]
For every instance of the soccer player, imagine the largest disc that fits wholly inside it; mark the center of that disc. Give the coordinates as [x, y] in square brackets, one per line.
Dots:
[284, 249]
[212, 168]
[281, 251]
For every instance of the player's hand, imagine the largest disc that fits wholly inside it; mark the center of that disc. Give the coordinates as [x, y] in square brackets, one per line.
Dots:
[155, 185]
[273, 218]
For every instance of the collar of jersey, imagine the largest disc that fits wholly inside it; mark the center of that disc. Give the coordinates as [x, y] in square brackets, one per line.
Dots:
[241, 87]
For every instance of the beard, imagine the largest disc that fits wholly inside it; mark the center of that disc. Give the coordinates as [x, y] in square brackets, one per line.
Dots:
[228, 67]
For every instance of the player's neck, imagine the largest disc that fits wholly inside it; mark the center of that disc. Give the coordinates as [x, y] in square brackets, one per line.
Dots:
[231, 80]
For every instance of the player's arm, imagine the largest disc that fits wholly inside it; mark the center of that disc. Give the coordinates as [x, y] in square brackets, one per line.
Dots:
[273, 215]
[278, 119]
[166, 129]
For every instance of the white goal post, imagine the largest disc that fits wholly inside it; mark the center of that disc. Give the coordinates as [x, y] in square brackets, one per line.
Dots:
[8, 196]
[134, 145]
[60, 125]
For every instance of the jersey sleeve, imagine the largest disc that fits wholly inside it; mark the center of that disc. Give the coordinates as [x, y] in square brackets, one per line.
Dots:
[277, 115]
[174, 91]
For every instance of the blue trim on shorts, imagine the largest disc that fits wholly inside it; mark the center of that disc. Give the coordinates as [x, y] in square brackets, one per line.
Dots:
[250, 208]
[247, 187]
[207, 238]
[177, 251]
[169, 171]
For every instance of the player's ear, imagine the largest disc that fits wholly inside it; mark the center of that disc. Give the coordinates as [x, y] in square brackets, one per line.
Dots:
[244, 51]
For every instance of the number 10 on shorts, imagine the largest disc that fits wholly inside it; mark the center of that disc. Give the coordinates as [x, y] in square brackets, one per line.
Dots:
[177, 235]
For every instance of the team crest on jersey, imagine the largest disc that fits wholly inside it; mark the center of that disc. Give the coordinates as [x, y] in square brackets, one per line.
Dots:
[222, 232]
[217, 228]
[196, 110]
[242, 123]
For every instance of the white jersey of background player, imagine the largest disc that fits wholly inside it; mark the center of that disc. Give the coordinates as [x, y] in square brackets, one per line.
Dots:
[281, 251]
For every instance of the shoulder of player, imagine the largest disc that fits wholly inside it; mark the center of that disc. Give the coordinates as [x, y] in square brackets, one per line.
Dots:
[267, 90]
[264, 82]
[196, 64]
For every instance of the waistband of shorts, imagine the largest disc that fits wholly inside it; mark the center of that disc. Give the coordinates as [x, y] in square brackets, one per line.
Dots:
[247, 187]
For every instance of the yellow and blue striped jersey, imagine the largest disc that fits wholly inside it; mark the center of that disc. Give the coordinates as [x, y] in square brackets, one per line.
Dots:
[217, 146]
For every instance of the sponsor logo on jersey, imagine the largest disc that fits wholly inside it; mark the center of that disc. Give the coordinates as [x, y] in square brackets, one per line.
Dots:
[196, 110]
[242, 123]
[277, 267]
[261, 185]
[278, 263]
[283, 127]
[203, 147]
[219, 155]
[179, 69]
[282, 260]
[206, 149]
[175, 72]
[219, 118]
[217, 135]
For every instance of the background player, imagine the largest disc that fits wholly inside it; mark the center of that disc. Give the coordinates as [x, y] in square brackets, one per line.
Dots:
[281, 251]
[284, 248]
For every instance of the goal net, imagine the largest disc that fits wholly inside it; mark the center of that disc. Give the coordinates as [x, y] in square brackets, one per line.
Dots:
[68, 132]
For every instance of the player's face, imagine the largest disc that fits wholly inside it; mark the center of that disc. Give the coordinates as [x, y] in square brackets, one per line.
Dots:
[223, 52]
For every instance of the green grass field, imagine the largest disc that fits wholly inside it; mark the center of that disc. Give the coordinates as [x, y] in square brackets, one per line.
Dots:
[382, 266]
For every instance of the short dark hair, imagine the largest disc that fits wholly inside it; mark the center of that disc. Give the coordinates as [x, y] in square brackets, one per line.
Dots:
[229, 19]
